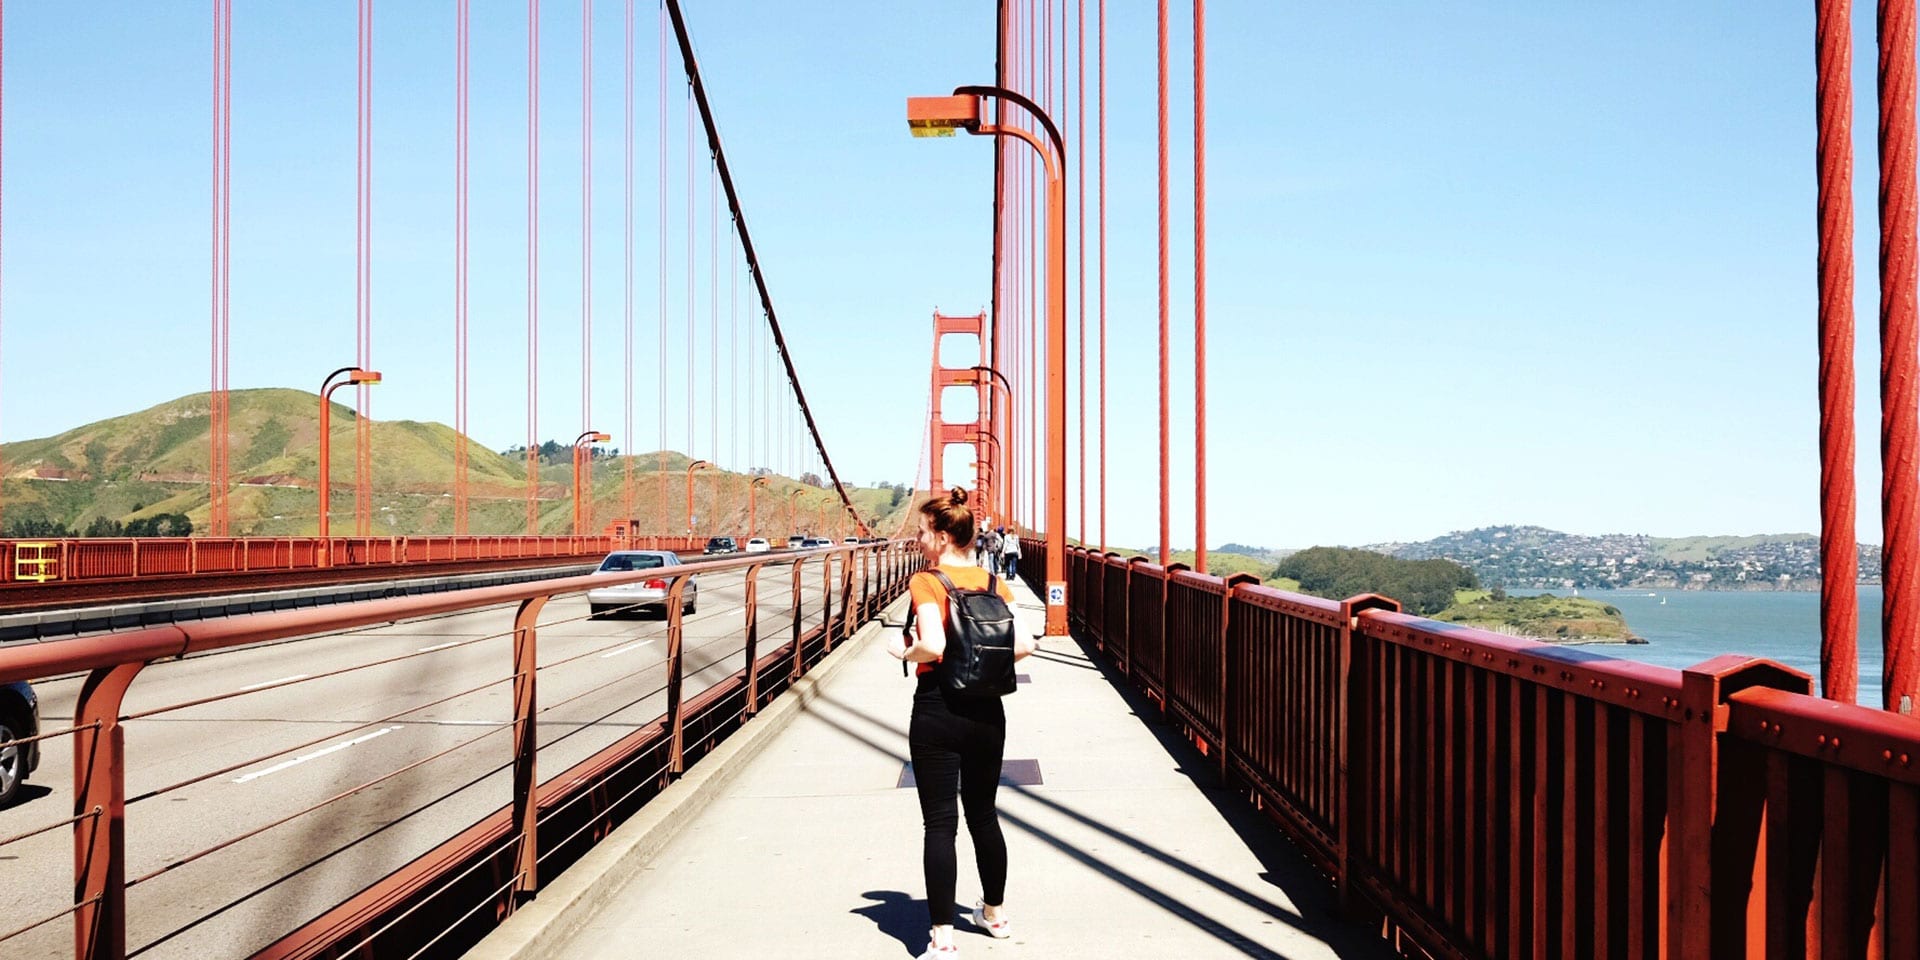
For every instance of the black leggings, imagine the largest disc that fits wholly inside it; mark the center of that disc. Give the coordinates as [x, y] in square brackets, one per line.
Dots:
[956, 745]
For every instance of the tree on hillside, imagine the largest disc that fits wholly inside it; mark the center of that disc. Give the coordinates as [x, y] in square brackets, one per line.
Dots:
[1422, 586]
[31, 528]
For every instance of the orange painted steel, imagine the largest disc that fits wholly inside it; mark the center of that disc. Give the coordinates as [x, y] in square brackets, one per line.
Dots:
[543, 827]
[940, 432]
[753, 508]
[100, 570]
[691, 467]
[1489, 796]
[354, 375]
[1899, 356]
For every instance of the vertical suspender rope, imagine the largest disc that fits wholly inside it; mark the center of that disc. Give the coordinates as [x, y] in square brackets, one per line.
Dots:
[221, 149]
[1839, 551]
[1101, 57]
[660, 474]
[691, 331]
[463, 21]
[713, 310]
[733, 345]
[533, 265]
[1080, 181]
[1200, 285]
[628, 440]
[1166, 475]
[1899, 362]
[3, 47]
[363, 436]
[585, 507]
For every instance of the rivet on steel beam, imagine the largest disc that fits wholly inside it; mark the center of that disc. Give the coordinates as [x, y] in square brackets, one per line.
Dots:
[1821, 739]
[1904, 759]
[1886, 755]
[1836, 743]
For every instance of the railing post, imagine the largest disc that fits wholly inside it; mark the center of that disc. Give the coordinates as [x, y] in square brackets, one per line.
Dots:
[752, 628]
[1227, 661]
[676, 657]
[826, 601]
[100, 798]
[526, 746]
[846, 597]
[1352, 764]
[1693, 781]
[799, 654]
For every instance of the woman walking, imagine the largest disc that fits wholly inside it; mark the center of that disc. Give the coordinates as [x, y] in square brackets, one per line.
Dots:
[955, 739]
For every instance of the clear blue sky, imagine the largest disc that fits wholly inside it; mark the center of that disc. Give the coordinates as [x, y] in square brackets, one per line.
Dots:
[1470, 264]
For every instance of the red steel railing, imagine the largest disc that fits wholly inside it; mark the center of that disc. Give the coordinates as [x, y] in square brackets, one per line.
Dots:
[1496, 797]
[124, 559]
[475, 878]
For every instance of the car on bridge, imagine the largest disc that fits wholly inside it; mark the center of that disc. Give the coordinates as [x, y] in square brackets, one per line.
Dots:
[795, 542]
[640, 594]
[758, 545]
[19, 720]
[815, 543]
[717, 546]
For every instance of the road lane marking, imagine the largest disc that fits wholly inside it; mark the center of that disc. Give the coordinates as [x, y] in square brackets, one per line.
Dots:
[269, 683]
[441, 646]
[630, 646]
[317, 754]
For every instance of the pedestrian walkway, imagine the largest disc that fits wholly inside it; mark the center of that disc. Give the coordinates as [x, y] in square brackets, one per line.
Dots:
[1119, 845]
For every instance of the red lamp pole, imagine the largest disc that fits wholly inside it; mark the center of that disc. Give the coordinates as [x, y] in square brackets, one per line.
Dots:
[753, 510]
[332, 382]
[997, 379]
[582, 510]
[790, 518]
[963, 111]
[691, 467]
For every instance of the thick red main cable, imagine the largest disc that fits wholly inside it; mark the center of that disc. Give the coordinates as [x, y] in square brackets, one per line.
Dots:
[1899, 364]
[1200, 285]
[1839, 552]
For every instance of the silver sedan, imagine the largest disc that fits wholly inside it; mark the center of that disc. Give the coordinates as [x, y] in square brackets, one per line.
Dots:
[640, 594]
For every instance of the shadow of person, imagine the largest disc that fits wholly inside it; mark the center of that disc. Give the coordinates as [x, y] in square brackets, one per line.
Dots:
[901, 917]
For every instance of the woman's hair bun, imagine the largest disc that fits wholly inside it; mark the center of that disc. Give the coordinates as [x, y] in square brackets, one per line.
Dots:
[958, 495]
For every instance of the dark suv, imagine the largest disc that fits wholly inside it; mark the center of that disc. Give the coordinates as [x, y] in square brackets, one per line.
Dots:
[717, 545]
[19, 718]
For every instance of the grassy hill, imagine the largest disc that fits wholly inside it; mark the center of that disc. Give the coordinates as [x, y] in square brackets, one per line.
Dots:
[1544, 617]
[156, 461]
[1697, 549]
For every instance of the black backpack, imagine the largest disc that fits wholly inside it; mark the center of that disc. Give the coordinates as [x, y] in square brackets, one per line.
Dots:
[979, 658]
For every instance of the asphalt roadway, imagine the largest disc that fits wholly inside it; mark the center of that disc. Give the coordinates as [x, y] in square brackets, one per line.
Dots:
[298, 738]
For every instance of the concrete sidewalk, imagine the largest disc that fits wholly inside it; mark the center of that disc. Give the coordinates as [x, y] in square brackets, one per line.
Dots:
[1122, 850]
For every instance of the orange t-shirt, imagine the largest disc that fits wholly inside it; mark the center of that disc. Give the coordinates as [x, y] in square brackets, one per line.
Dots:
[925, 588]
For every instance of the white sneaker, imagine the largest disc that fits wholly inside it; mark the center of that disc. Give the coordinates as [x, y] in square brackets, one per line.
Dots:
[998, 929]
[940, 953]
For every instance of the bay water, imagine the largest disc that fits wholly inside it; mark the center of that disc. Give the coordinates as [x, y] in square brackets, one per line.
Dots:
[1693, 625]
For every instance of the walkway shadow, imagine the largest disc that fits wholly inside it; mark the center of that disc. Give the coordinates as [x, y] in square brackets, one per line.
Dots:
[901, 916]
[1287, 870]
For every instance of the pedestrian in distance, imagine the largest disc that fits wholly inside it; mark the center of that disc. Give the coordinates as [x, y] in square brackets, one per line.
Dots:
[1010, 553]
[961, 633]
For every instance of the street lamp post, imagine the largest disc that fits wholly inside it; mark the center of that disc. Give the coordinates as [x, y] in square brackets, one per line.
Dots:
[327, 386]
[691, 467]
[995, 378]
[753, 508]
[990, 485]
[964, 110]
[582, 510]
[791, 528]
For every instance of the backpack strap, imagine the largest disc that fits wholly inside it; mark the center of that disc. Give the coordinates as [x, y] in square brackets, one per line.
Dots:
[951, 589]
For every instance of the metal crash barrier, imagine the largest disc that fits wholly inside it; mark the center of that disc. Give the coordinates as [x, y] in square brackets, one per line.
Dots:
[446, 899]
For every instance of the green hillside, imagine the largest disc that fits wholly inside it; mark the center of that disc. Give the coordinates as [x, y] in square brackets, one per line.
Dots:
[156, 461]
